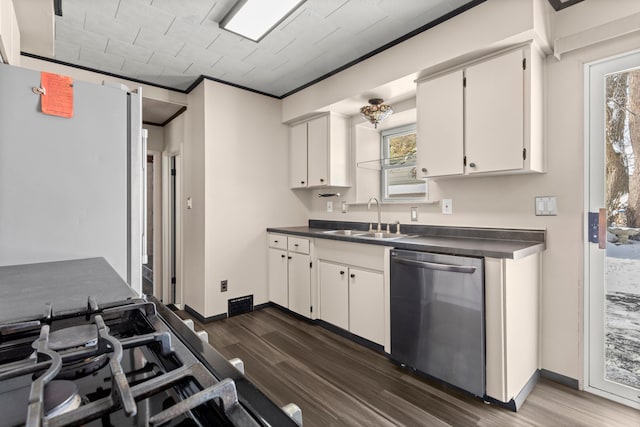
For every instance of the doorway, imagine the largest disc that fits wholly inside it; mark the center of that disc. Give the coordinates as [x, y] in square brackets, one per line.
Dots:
[612, 303]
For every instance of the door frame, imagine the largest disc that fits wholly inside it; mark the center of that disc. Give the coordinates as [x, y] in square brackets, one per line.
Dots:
[156, 208]
[166, 228]
[590, 256]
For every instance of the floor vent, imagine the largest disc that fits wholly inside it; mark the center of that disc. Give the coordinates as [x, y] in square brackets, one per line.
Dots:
[240, 305]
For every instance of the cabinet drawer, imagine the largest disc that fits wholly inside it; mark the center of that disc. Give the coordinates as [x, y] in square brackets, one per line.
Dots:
[277, 241]
[298, 245]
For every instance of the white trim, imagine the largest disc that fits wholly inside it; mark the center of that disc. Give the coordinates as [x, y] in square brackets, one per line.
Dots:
[594, 379]
[610, 30]
[158, 218]
[613, 397]
[166, 227]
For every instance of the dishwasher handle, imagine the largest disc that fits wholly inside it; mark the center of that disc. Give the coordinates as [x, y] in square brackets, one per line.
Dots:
[468, 269]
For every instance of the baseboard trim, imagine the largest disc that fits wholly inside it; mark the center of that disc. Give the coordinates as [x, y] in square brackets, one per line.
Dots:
[262, 306]
[526, 390]
[203, 319]
[346, 334]
[561, 379]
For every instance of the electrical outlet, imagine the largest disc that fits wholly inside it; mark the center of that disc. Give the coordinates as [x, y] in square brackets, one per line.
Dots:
[414, 213]
[447, 206]
[223, 286]
[329, 206]
[345, 207]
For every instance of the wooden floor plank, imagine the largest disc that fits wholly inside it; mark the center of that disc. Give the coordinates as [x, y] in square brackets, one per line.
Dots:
[338, 382]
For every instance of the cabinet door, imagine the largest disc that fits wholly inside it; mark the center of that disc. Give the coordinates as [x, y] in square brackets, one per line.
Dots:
[278, 292]
[494, 114]
[318, 151]
[440, 126]
[334, 294]
[298, 156]
[366, 305]
[300, 284]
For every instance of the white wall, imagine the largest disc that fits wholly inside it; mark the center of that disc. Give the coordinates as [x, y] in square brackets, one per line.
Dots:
[193, 220]
[155, 139]
[246, 191]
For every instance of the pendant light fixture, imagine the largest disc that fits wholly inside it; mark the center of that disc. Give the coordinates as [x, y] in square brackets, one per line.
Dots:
[376, 111]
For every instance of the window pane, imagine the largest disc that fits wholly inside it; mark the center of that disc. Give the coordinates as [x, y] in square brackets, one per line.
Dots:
[402, 149]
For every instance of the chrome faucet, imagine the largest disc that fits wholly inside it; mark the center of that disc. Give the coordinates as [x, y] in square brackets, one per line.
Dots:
[378, 205]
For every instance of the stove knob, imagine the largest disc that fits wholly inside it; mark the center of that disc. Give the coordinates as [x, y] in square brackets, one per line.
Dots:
[189, 323]
[294, 412]
[238, 364]
[203, 335]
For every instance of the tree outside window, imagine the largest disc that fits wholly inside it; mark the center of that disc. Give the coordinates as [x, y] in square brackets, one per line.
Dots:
[399, 176]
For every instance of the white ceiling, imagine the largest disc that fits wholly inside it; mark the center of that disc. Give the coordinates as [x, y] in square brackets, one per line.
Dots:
[171, 43]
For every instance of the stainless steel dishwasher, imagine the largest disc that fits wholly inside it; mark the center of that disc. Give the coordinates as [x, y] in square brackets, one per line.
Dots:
[437, 317]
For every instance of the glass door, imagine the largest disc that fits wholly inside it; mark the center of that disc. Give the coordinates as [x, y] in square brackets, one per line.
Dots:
[613, 253]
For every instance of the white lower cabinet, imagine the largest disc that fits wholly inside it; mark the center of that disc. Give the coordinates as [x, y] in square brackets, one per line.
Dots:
[289, 277]
[334, 294]
[366, 304]
[512, 291]
[351, 288]
[278, 282]
[300, 283]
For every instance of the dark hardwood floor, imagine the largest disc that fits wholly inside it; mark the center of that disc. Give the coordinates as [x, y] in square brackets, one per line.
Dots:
[337, 382]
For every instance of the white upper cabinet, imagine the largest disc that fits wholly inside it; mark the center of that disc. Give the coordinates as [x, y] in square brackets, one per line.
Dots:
[485, 118]
[494, 114]
[440, 125]
[319, 152]
[298, 156]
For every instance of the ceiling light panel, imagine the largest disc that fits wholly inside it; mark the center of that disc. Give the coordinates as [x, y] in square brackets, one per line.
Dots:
[254, 19]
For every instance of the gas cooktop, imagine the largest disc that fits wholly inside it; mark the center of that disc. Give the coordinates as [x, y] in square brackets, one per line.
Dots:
[114, 363]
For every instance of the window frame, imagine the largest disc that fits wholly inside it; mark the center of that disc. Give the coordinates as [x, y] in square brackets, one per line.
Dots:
[385, 136]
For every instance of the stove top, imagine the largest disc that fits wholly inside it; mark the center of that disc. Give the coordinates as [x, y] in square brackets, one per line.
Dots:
[119, 363]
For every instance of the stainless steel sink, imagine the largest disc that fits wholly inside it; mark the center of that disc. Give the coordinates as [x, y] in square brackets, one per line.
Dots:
[382, 235]
[345, 232]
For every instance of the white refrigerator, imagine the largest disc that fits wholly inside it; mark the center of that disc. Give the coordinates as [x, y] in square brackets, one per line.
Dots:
[71, 188]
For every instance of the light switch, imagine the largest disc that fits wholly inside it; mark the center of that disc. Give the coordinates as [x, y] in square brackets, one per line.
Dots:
[414, 213]
[546, 206]
[189, 203]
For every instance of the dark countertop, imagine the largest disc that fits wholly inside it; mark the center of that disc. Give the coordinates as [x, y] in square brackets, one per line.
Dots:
[67, 285]
[481, 242]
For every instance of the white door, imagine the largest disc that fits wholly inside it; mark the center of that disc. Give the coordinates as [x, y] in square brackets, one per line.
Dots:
[494, 114]
[300, 284]
[318, 151]
[613, 267]
[334, 294]
[366, 304]
[440, 126]
[278, 288]
[298, 156]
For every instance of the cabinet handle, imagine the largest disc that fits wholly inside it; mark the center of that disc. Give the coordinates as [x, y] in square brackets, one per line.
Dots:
[275, 241]
[296, 245]
[342, 272]
[424, 170]
[352, 275]
[301, 182]
[288, 257]
[472, 165]
[282, 256]
[321, 179]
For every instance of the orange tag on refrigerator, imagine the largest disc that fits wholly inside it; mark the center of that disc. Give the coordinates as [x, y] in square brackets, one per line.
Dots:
[57, 99]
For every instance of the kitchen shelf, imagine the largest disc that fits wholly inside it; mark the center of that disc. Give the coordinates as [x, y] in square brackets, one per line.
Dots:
[398, 161]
